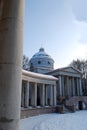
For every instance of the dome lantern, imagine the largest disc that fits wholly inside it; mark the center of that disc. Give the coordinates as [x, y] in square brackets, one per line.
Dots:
[41, 49]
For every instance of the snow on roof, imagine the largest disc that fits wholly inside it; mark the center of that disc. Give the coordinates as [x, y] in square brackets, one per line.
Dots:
[38, 75]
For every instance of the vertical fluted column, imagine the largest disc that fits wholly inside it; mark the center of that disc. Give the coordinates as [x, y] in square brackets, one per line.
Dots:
[51, 95]
[54, 95]
[67, 86]
[60, 86]
[80, 86]
[11, 42]
[63, 86]
[46, 95]
[22, 95]
[35, 95]
[43, 95]
[73, 87]
[77, 81]
[27, 95]
[70, 90]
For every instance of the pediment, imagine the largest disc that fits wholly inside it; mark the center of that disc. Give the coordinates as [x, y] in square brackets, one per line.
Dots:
[71, 70]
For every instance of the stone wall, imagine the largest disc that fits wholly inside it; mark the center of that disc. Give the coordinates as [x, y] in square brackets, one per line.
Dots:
[75, 101]
[71, 104]
[36, 111]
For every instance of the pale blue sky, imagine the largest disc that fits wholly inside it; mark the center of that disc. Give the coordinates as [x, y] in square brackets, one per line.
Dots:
[60, 26]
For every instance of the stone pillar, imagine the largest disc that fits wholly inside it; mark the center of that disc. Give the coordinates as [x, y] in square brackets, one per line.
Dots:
[73, 87]
[11, 42]
[54, 95]
[46, 96]
[27, 95]
[67, 86]
[63, 86]
[60, 86]
[43, 95]
[51, 95]
[34, 95]
[70, 90]
[22, 95]
[77, 81]
[80, 86]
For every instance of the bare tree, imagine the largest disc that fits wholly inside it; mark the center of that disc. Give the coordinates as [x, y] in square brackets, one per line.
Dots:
[25, 63]
[78, 64]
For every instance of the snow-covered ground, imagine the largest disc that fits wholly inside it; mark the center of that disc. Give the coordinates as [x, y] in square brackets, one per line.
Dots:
[70, 121]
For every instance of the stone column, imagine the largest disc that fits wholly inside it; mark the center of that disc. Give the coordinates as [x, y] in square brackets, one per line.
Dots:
[22, 95]
[51, 95]
[73, 87]
[11, 42]
[54, 95]
[77, 81]
[27, 95]
[46, 96]
[70, 90]
[67, 86]
[60, 86]
[63, 86]
[80, 86]
[43, 94]
[35, 94]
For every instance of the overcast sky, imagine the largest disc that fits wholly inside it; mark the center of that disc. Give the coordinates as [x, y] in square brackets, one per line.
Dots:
[60, 26]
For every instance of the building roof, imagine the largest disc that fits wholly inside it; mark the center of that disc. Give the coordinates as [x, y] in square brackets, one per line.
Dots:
[37, 75]
[64, 68]
[41, 54]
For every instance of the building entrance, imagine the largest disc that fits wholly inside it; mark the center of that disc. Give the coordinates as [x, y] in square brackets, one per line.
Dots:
[80, 105]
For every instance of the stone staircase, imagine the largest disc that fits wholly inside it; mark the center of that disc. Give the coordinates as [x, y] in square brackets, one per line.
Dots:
[66, 110]
[63, 109]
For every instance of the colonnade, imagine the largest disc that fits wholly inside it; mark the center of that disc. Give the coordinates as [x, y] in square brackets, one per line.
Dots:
[34, 94]
[69, 86]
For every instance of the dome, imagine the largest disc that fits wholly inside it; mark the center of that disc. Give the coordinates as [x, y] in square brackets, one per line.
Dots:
[41, 62]
[41, 54]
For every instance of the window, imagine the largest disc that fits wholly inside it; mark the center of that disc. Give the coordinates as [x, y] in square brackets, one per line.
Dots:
[48, 62]
[39, 62]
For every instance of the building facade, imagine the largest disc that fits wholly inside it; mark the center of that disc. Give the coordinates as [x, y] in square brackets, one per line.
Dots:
[38, 92]
[69, 88]
[69, 83]
[45, 89]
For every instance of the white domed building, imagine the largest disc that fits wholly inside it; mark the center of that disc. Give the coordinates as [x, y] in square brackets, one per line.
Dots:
[45, 88]
[41, 62]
